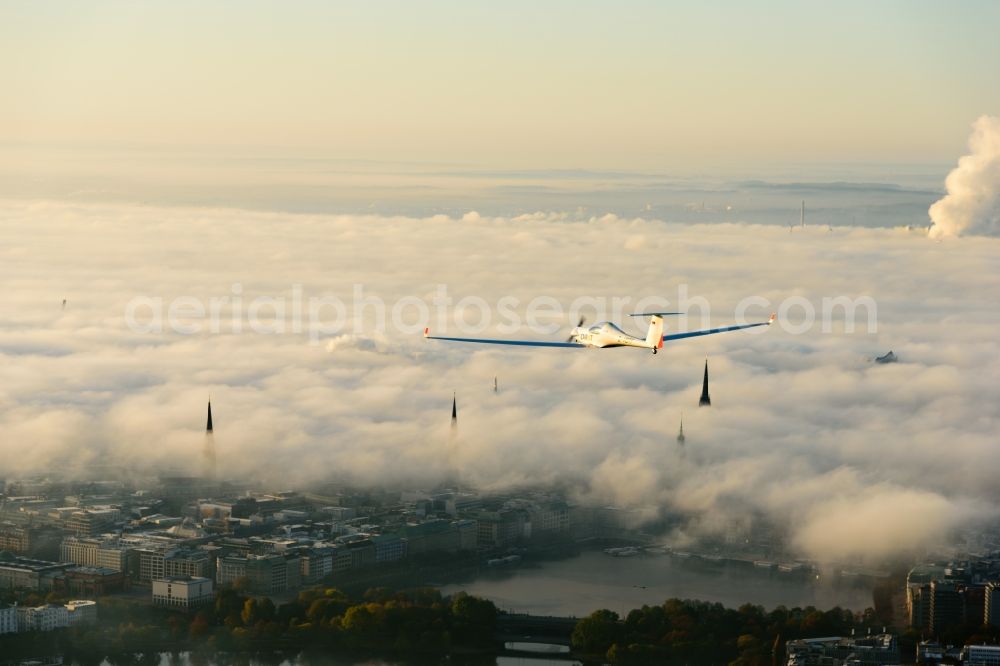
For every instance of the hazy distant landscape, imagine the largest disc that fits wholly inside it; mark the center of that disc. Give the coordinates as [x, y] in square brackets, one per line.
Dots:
[868, 195]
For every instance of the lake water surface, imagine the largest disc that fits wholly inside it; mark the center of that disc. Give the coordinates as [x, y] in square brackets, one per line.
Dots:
[578, 585]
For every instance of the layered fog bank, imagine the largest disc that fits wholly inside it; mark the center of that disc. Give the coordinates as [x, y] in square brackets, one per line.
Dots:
[166, 306]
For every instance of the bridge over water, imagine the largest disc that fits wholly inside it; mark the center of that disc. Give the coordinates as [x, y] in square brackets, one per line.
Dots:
[517, 627]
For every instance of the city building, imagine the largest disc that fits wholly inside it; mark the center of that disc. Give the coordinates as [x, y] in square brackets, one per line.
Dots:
[982, 655]
[39, 541]
[42, 618]
[930, 652]
[953, 603]
[160, 560]
[362, 553]
[14, 538]
[264, 574]
[991, 610]
[549, 516]
[316, 564]
[468, 534]
[92, 522]
[461, 503]
[18, 572]
[973, 604]
[843, 651]
[8, 619]
[92, 581]
[215, 509]
[187, 562]
[146, 563]
[231, 568]
[918, 593]
[946, 608]
[183, 591]
[918, 603]
[430, 535]
[244, 507]
[340, 560]
[187, 529]
[389, 547]
[15, 619]
[93, 552]
[939, 597]
[341, 513]
[499, 529]
[237, 546]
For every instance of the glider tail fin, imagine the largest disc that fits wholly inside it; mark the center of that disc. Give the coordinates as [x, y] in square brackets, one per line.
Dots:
[654, 338]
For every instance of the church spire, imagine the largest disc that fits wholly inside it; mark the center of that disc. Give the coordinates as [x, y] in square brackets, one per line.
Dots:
[680, 433]
[705, 401]
[454, 408]
[208, 454]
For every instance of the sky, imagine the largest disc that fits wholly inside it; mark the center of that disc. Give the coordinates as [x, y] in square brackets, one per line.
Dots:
[634, 85]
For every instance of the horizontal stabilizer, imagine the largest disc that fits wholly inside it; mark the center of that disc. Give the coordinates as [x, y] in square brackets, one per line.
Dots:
[654, 314]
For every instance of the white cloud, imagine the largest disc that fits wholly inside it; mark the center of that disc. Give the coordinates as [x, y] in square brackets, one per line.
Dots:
[636, 242]
[803, 428]
[972, 204]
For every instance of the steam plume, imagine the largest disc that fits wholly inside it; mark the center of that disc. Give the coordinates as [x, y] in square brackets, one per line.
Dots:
[972, 204]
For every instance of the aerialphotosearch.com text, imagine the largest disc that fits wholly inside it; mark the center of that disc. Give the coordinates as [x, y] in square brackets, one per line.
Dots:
[319, 316]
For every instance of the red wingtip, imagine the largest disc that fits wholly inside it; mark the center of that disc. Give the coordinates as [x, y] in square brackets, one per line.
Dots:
[774, 315]
[426, 332]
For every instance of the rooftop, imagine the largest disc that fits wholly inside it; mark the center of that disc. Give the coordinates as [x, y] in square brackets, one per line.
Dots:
[182, 579]
[11, 561]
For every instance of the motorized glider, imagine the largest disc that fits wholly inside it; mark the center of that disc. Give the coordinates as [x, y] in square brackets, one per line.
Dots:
[606, 334]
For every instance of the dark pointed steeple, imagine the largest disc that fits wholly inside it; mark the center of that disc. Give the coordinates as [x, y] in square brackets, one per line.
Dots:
[454, 408]
[705, 401]
[208, 453]
[680, 433]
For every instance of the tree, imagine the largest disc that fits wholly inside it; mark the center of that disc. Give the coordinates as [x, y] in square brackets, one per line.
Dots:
[200, 625]
[242, 584]
[473, 619]
[228, 603]
[249, 615]
[362, 623]
[752, 651]
[378, 594]
[322, 609]
[596, 633]
[256, 611]
[265, 609]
